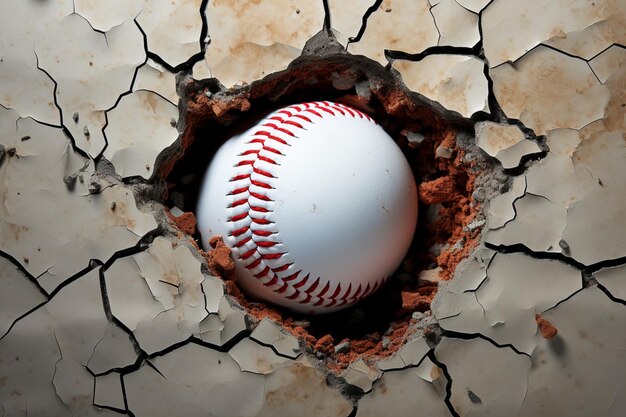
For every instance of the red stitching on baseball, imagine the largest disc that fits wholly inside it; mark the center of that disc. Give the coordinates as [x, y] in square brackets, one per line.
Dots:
[282, 125]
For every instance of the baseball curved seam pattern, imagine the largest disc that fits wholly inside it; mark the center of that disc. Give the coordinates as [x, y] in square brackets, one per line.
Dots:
[255, 236]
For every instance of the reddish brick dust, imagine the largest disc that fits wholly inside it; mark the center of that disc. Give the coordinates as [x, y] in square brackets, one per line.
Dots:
[548, 331]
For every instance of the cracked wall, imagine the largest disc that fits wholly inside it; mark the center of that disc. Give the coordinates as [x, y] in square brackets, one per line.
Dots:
[107, 306]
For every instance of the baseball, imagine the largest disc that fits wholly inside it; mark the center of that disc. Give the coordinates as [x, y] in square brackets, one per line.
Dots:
[317, 203]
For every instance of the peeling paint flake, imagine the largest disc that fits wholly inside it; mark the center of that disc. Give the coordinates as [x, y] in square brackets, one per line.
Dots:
[57, 242]
[91, 70]
[250, 39]
[191, 380]
[407, 392]
[253, 357]
[589, 351]
[346, 18]
[547, 90]
[139, 129]
[157, 294]
[487, 381]
[614, 280]
[504, 142]
[418, 30]
[457, 26]
[511, 28]
[457, 82]
[606, 63]
[270, 333]
[503, 307]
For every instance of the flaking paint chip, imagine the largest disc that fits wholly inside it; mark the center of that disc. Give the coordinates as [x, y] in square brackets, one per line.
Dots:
[269, 333]
[506, 143]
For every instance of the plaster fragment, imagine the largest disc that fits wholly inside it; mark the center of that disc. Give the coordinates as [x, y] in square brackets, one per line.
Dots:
[457, 82]
[108, 391]
[506, 143]
[18, 295]
[614, 280]
[91, 70]
[590, 349]
[457, 26]
[361, 375]
[402, 393]
[222, 327]
[503, 307]
[268, 332]
[418, 30]
[563, 141]
[251, 39]
[512, 28]
[191, 380]
[495, 375]
[139, 129]
[172, 29]
[548, 90]
[253, 357]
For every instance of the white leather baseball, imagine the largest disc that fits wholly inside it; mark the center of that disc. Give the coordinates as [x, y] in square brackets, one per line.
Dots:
[317, 203]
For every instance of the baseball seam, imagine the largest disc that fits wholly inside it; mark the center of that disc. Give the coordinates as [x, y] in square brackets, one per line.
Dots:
[253, 234]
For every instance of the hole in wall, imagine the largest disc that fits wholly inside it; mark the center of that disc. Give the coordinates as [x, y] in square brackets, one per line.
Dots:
[432, 143]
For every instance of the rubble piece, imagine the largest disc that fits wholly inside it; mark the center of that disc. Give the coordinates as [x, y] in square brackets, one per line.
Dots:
[418, 30]
[270, 333]
[114, 350]
[548, 90]
[401, 393]
[457, 82]
[590, 349]
[139, 129]
[153, 77]
[411, 354]
[606, 63]
[253, 357]
[108, 391]
[487, 381]
[614, 280]
[506, 143]
[503, 307]
[172, 29]
[361, 375]
[91, 70]
[157, 294]
[595, 223]
[457, 26]
[18, 295]
[290, 390]
[75, 226]
[191, 380]
[547, 330]
[346, 18]
[512, 28]
[249, 39]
